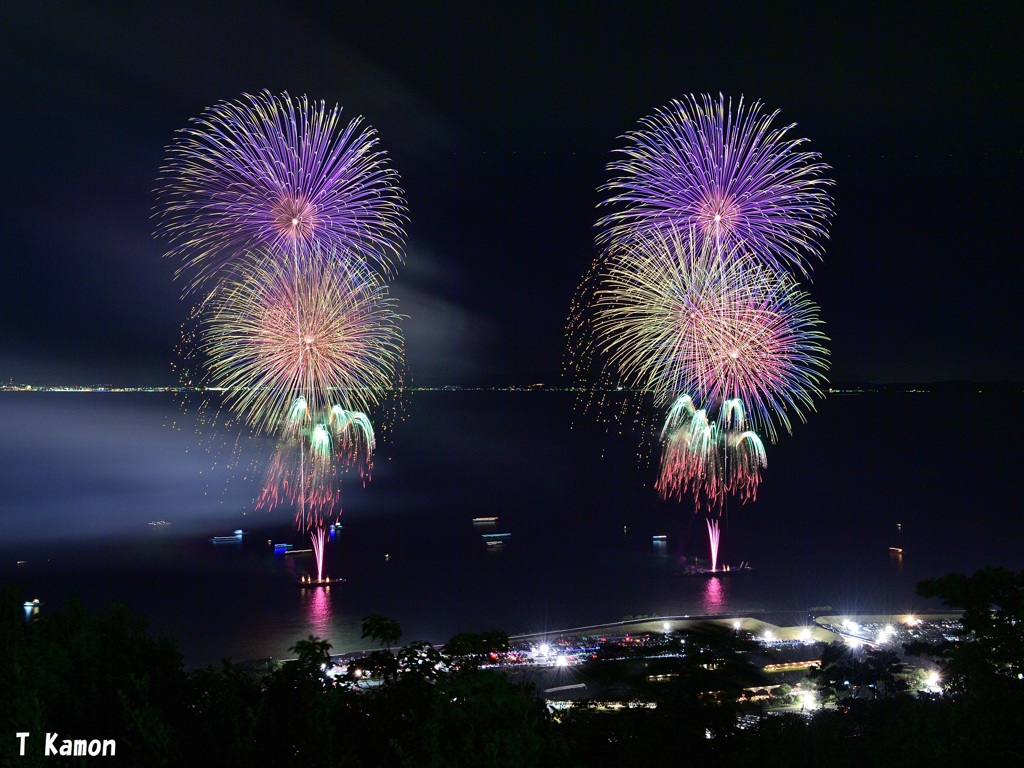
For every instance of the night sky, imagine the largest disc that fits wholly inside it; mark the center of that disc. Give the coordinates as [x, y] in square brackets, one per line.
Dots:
[500, 120]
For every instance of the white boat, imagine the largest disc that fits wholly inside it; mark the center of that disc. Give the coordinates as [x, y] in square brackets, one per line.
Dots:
[236, 538]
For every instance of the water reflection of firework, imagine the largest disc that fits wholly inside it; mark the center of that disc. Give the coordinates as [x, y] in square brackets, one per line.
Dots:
[725, 171]
[713, 597]
[279, 172]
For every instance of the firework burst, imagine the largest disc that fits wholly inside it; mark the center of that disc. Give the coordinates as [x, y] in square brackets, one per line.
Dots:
[353, 439]
[674, 314]
[298, 479]
[286, 342]
[282, 173]
[709, 459]
[308, 466]
[728, 174]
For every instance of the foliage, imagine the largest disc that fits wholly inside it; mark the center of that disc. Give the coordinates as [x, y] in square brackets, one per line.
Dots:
[473, 648]
[386, 632]
[988, 657]
[846, 671]
[103, 676]
[88, 676]
[313, 654]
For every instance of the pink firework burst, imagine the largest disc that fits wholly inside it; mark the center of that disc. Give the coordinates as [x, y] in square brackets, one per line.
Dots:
[318, 332]
[678, 314]
[309, 484]
[709, 459]
[310, 461]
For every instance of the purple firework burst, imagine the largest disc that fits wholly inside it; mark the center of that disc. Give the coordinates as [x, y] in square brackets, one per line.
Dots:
[700, 164]
[279, 172]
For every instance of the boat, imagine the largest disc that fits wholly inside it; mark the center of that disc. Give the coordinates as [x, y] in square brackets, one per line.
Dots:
[495, 535]
[309, 581]
[32, 608]
[158, 523]
[722, 570]
[283, 547]
[484, 520]
[236, 538]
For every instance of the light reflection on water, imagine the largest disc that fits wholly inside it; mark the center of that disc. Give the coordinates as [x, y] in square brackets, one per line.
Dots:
[77, 510]
[896, 558]
[712, 597]
[323, 614]
[316, 607]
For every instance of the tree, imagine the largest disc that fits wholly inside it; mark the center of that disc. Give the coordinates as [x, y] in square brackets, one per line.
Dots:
[314, 656]
[988, 656]
[386, 632]
[472, 648]
[845, 671]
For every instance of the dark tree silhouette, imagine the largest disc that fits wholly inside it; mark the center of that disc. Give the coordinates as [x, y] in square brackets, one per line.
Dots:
[384, 631]
[988, 657]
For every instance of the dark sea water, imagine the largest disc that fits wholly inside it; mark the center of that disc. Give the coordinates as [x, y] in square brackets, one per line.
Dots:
[81, 475]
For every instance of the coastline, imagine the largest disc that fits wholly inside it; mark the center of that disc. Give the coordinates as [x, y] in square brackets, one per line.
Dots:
[745, 622]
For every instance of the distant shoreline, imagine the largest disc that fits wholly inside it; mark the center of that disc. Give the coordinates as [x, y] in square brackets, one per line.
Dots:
[747, 623]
